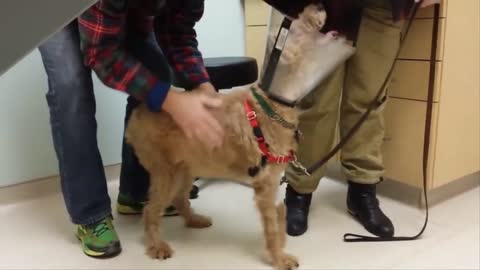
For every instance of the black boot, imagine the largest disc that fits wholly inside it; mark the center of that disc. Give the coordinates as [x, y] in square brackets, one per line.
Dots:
[297, 206]
[363, 204]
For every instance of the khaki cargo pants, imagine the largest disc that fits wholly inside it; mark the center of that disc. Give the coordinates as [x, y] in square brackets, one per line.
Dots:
[344, 97]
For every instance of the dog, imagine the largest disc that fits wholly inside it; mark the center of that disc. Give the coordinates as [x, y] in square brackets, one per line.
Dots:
[256, 150]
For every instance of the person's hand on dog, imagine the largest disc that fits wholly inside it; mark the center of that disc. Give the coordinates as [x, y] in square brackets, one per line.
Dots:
[192, 111]
[427, 3]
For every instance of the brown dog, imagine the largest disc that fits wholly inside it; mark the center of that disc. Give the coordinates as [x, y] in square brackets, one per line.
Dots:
[173, 161]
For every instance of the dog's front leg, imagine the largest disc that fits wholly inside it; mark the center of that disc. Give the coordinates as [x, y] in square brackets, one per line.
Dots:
[265, 195]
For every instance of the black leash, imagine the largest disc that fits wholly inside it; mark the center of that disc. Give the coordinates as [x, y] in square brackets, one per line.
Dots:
[349, 237]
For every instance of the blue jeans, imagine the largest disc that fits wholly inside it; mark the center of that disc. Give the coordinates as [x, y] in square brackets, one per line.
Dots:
[72, 106]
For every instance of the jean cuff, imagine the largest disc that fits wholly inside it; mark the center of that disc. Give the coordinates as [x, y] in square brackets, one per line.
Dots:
[94, 219]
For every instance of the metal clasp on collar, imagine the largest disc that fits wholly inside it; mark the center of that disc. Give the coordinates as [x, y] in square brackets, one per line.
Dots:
[295, 163]
[251, 115]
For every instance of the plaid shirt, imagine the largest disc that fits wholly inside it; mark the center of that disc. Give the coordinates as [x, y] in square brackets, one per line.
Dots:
[103, 30]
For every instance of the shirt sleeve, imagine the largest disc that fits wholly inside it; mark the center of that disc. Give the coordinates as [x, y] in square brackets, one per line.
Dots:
[102, 33]
[176, 34]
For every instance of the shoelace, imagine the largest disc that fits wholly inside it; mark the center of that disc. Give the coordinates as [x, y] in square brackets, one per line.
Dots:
[100, 229]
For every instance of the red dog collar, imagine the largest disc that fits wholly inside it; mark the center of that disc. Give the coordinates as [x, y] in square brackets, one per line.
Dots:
[252, 118]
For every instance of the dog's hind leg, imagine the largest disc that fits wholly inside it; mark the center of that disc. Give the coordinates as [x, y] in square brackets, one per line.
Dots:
[265, 195]
[185, 181]
[159, 199]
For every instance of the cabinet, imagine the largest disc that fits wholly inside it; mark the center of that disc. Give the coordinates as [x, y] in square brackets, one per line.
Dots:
[455, 135]
[257, 14]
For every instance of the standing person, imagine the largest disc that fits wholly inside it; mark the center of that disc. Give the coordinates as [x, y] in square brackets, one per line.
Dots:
[343, 99]
[72, 105]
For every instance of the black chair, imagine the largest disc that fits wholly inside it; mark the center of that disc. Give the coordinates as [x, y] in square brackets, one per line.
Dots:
[225, 72]
[229, 72]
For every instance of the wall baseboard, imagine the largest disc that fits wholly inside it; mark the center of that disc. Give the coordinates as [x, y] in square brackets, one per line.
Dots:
[389, 188]
[43, 187]
[414, 196]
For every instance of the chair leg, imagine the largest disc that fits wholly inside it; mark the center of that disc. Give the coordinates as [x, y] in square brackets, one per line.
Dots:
[194, 191]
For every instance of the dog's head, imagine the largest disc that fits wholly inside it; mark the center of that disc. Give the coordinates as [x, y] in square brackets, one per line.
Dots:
[308, 56]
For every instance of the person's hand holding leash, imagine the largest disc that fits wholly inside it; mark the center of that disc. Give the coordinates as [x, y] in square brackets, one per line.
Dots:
[191, 111]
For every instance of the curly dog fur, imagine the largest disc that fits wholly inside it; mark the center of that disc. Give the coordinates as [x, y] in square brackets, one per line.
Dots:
[173, 161]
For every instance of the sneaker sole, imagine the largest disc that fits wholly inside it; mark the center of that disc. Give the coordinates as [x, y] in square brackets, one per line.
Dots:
[128, 211]
[96, 254]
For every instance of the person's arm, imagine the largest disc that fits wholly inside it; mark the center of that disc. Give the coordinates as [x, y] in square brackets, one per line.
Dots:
[103, 41]
[102, 31]
[178, 39]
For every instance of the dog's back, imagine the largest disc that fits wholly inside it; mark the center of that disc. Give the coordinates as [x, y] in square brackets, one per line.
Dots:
[155, 135]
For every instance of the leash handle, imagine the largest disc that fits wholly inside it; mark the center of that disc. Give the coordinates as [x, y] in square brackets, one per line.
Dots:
[349, 237]
[356, 238]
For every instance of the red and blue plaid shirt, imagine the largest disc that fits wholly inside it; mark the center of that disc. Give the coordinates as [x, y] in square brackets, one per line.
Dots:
[103, 30]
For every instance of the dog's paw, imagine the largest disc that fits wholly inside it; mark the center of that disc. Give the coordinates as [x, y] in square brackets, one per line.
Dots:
[161, 252]
[198, 222]
[287, 262]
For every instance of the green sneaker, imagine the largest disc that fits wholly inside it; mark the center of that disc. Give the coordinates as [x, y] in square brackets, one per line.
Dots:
[99, 240]
[128, 206]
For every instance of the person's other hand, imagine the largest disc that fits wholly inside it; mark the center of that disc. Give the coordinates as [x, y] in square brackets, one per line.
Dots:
[192, 112]
[427, 3]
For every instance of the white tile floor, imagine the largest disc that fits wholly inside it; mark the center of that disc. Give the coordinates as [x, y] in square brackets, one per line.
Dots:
[35, 233]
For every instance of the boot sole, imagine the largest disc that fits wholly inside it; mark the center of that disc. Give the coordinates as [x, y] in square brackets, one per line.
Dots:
[355, 216]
